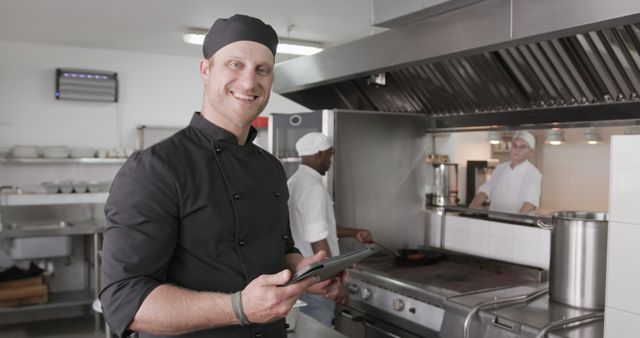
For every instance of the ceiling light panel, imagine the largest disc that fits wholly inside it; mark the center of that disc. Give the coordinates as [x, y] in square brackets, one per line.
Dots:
[292, 47]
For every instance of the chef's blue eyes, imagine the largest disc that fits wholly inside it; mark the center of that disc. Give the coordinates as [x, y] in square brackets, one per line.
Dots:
[260, 70]
[264, 71]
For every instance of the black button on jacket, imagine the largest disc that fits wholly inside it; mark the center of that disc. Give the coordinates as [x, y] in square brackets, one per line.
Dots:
[174, 216]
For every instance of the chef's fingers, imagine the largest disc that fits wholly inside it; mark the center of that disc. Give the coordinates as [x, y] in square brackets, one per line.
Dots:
[319, 288]
[332, 291]
[305, 261]
[344, 275]
[343, 296]
[263, 301]
[364, 236]
[278, 279]
[281, 278]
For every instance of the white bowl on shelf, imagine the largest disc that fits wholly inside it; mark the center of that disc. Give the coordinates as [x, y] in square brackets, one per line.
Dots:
[51, 187]
[23, 151]
[94, 186]
[80, 187]
[55, 152]
[83, 152]
[5, 152]
[102, 153]
[66, 188]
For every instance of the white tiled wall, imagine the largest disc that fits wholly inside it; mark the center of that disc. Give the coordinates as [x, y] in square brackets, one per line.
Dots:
[620, 324]
[624, 188]
[503, 241]
[623, 275]
[622, 302]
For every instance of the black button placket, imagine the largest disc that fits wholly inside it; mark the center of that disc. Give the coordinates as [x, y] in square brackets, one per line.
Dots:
[218, 156]
[284, 236]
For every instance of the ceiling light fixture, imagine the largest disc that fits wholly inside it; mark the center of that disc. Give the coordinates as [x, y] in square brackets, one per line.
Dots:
[286, 46]
[555, 137]
[494, 137]
[298, 47]
[194, 38]
[592, 136]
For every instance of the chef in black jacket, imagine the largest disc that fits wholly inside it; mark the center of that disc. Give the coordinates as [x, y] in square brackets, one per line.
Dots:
[198, 236]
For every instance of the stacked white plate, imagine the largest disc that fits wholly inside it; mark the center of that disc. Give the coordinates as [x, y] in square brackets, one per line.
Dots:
[22, 151]
[55, 152]
[83, 152]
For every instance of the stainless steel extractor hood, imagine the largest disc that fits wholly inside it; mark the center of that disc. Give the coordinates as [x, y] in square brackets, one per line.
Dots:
[498, 63]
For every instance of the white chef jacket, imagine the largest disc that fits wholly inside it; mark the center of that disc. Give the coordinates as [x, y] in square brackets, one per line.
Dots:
[311, 211]
[509, 187]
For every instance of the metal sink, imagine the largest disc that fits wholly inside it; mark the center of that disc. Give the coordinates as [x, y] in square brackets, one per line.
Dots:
[34, 241]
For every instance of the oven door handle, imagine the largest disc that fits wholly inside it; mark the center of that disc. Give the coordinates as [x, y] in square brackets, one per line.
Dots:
[380, 330]
[496, 322]
[347, 314]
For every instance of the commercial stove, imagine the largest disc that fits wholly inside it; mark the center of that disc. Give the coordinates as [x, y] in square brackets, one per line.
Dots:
[495, 299]
[389, 299]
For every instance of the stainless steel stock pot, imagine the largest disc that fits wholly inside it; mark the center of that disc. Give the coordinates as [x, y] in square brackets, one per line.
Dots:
[578, 258]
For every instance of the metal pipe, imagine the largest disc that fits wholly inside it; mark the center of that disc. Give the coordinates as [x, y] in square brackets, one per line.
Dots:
[96, 277]
[588, 318]
[442, 228]
[475, 292]
[526, 298]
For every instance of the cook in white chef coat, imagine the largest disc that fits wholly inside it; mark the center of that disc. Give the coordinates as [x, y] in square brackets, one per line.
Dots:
[313, 222]
[514, 186]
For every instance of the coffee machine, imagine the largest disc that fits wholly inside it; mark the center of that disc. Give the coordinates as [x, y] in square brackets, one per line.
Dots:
[445, 188]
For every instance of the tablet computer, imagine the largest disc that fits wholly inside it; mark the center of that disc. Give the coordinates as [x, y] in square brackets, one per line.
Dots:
[330, 267]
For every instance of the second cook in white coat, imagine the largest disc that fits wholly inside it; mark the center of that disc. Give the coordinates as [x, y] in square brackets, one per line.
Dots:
[313, 221]
[514, 186]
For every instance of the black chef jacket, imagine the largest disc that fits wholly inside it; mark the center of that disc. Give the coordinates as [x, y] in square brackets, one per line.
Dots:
[198, 211]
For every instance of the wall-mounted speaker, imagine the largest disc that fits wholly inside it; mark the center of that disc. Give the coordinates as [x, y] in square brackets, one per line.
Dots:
[86, 85]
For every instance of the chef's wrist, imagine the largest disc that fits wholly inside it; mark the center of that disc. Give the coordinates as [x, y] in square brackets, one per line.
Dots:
[238, 310]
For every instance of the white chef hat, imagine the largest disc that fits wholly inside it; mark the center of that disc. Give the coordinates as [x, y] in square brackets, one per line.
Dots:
[312, 143]
[526, 136]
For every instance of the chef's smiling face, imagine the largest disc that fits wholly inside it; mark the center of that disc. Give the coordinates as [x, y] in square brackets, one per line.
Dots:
[520, 151]
[237, 81]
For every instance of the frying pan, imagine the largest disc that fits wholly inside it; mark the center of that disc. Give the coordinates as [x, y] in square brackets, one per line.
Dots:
[414, 256]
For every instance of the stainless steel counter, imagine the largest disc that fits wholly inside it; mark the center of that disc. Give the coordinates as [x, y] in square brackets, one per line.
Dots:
[308, 327]
[519, 320]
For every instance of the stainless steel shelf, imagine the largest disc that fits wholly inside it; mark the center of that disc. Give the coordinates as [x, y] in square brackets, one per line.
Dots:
[56, 300]
[42, 230]
[528, 219]
[42, 160]
[52, 199]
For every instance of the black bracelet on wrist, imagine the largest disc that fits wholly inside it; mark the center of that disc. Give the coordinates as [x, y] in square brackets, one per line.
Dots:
[236, 304]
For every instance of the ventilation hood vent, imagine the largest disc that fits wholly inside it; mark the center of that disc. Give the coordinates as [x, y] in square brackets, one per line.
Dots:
[589, 76]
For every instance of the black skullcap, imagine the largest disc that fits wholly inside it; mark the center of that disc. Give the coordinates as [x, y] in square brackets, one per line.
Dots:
[238, 28]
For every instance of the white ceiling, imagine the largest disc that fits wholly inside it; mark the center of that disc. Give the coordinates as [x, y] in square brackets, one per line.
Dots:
[156, 26]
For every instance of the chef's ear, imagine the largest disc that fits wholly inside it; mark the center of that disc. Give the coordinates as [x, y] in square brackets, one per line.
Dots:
[205, 69]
